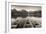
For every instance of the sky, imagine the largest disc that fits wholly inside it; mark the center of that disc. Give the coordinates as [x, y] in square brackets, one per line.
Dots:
[27, 8]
